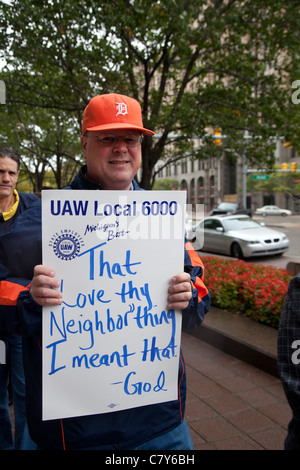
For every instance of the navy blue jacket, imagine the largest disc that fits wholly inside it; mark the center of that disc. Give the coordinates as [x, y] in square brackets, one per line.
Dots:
[25, 201]
[118, 430]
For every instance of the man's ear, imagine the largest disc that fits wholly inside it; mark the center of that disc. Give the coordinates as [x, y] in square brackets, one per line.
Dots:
[84, 144]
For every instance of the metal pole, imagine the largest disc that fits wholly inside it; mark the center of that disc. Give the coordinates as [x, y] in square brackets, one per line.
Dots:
[244, 170]
[244, 181]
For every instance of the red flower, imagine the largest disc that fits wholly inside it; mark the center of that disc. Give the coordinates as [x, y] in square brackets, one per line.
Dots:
[251, 289]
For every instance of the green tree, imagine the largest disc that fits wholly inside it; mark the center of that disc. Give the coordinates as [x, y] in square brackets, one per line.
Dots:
[166, 185]
[279, 182]
[192, 64]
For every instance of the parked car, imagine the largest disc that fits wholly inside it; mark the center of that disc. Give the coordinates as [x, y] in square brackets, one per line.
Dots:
[272, 210]
[238, 236]
[230, 208]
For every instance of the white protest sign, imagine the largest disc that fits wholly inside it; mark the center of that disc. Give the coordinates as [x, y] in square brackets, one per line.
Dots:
[112, 344]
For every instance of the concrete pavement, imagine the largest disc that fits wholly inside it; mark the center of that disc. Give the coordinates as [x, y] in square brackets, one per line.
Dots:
[231, 404]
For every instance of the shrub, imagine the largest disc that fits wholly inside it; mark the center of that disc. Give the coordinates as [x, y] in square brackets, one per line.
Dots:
[253, 290]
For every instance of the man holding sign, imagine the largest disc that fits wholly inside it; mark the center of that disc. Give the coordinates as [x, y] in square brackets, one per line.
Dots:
[112, 131]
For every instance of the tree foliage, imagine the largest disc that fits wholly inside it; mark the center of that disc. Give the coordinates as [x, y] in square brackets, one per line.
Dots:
[284, 182]
[192, 64]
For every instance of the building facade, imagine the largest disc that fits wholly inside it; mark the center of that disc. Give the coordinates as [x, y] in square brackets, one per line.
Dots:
[214, 180]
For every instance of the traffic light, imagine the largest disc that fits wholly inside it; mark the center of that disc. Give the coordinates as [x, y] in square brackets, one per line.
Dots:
[284, 166]
[287, 145]
[294, 166]
[217, 134]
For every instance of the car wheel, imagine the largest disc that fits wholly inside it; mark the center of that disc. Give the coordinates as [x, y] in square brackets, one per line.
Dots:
[264, 214]
[284, 214]
[236, 251]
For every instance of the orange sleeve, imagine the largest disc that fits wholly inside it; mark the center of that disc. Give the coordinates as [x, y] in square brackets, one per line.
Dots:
[9, 292]
[196, 261]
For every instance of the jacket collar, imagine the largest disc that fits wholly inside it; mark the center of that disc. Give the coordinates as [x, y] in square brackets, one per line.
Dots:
[82, 182]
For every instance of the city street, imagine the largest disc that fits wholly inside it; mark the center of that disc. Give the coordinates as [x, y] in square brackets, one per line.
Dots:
[289, 225]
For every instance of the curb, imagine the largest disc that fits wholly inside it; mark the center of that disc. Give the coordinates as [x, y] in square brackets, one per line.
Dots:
[237, 348]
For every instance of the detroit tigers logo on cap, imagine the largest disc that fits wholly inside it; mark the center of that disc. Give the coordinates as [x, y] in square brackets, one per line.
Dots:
[121, 109]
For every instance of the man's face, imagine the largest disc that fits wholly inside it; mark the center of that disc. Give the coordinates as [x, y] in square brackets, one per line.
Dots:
[112, 162]
[8, 177]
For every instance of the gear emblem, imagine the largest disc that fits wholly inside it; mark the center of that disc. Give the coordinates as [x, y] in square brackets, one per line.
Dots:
[66, 246]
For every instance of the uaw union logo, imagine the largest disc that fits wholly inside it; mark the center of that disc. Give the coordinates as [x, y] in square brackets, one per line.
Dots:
[67, 244]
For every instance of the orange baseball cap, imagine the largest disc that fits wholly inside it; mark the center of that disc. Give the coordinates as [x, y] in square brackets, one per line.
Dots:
[113, 111]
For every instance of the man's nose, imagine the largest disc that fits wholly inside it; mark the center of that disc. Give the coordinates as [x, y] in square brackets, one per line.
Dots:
[5, 176]
[120, 143]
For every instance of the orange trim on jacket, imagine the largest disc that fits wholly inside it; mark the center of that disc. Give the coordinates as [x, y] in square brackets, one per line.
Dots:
[9, 292]
[196, 261]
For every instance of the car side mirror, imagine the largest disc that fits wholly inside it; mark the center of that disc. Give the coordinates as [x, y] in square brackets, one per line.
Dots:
[219, 229]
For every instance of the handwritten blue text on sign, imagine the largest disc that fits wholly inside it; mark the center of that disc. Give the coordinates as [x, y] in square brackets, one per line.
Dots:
[112, 340]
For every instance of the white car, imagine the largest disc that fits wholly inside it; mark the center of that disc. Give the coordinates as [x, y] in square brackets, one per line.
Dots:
[272, 210]
[238, 236]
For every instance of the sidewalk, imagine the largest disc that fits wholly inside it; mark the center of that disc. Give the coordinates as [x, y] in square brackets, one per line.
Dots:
[235, 401]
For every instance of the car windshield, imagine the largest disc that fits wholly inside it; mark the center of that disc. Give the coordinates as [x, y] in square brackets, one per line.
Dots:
[227, 206]
[240, 224]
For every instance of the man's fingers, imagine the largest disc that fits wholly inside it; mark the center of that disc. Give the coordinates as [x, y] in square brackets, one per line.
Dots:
[179, 291]
[44, 286]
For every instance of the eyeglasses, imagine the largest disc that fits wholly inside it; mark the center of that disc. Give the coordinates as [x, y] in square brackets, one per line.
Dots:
[111, 140]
